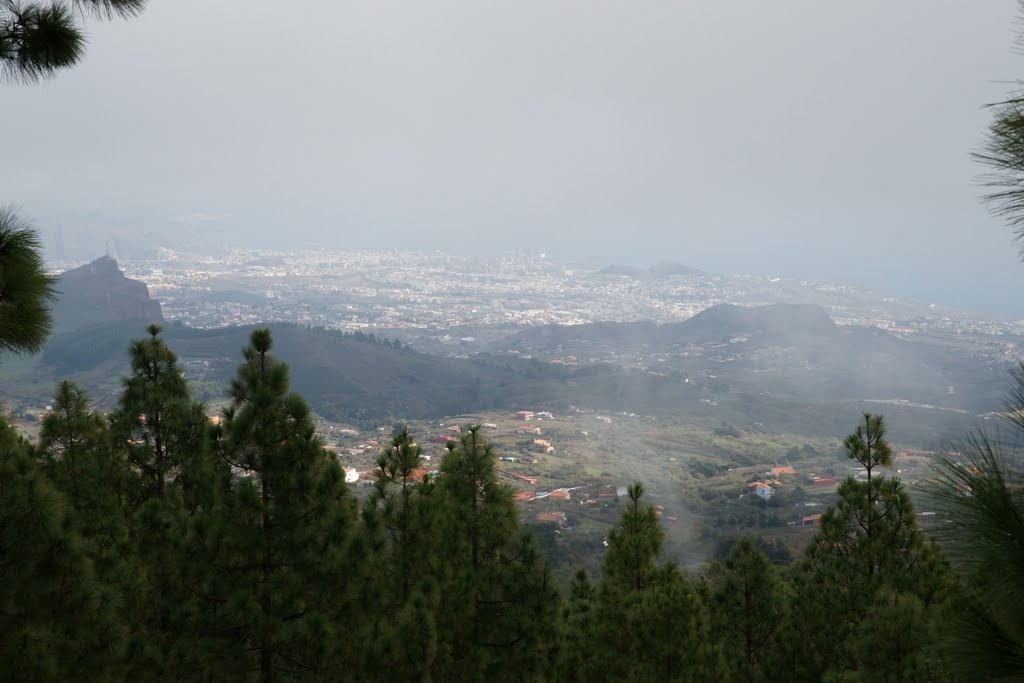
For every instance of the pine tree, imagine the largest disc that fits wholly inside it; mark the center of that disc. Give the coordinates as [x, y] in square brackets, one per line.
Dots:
[161, 433]
[867, 444]
[869, 558]
[74, 443]
[26, 290]
[57, 620]
[484, 507]
[272, 563]
[645, 622]
[38, 39]
[980, 491]
[748, 605]
[70, 431]
[579, 624]
[404, 516]
[399, 472]
[156, 422]
[498, 604]
[634, 545]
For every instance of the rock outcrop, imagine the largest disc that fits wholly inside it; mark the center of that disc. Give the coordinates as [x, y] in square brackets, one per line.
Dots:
[99, 292]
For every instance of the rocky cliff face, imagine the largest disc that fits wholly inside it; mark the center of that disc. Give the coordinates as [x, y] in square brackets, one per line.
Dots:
[99, 292]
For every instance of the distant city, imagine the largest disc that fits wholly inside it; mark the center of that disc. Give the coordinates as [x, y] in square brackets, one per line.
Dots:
[425, 295]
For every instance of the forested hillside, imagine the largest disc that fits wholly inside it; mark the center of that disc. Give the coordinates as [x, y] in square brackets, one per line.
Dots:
[809, 386]
[154, 542]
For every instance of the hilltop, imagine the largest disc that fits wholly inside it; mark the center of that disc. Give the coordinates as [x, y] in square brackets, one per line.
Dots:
[771, 323]
[780, 351]
[659, 271]
[99, 292]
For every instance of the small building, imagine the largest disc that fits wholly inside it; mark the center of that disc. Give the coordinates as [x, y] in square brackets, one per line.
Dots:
[763, 491]
[911, 453]
[561, 494]
[788, 469]
[544, 445]
[524, 495]
[551, 517]
[351, 475]
[525, 415]
[824, 481]
[811, 520]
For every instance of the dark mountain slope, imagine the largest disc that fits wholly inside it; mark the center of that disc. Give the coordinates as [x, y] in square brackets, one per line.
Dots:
[364, 381]
[783, 351]
[99, 292]
[786, 366]
[342, 375]
[777, 322]
[659, 271]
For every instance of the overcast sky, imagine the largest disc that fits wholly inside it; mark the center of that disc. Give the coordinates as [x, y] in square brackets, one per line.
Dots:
[809, 138]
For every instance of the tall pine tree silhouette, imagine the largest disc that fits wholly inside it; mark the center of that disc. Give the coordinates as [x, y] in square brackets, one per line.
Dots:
[273, 560]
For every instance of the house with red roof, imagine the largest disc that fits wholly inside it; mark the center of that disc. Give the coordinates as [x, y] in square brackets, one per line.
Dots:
[549, 517]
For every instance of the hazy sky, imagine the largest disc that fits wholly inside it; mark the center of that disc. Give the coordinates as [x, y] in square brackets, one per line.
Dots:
[812, 138]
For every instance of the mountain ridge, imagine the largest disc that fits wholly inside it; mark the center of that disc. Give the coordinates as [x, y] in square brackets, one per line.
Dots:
[786, 365]
[716, 323]
[658, 271]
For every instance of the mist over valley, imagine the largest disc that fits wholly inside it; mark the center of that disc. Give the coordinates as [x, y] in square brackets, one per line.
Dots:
[534, 341]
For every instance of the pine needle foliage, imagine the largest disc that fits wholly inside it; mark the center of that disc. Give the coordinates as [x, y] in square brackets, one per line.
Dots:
[272, 555]
[644, 621]
[635, 544]
[980, 488]
[26, 290]
[868, 566]
[55, 614]
[39, 38]
[156, 422]
[747, 606]
[1002, 151]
